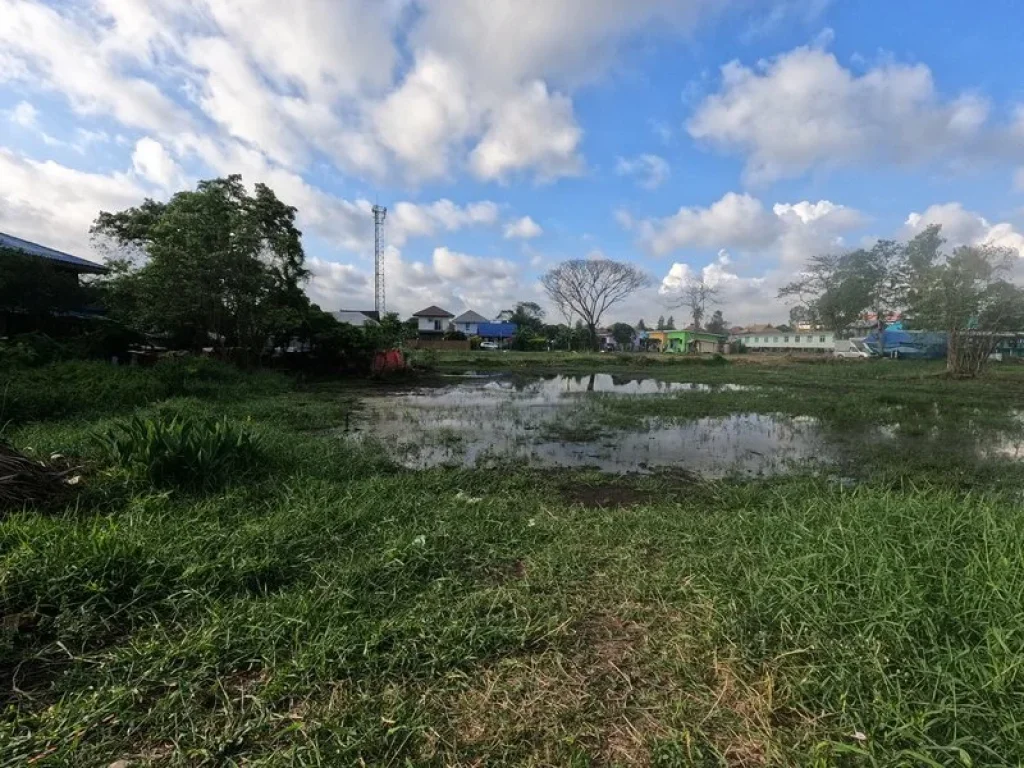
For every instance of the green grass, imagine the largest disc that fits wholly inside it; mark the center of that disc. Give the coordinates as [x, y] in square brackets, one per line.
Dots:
[328, 609]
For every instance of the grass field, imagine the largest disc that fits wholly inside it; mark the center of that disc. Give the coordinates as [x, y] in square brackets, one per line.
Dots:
[327, 608]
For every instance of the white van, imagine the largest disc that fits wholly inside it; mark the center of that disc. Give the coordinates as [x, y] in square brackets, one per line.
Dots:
[851, 348]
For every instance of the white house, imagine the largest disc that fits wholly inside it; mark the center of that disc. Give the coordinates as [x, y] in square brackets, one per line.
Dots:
[768, 338]
[433, 321]
[468, 322]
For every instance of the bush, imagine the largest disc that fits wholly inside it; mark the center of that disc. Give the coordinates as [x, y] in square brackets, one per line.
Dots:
[180, 450]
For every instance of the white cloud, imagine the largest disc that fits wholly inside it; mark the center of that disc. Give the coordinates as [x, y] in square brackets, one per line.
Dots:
[795, 231]
[533, 129]
[24, 114]
[963, 227]
[651, 170]
[523, 229]
[803, 109]
[50, 203]
[408, 220]
[154, 163]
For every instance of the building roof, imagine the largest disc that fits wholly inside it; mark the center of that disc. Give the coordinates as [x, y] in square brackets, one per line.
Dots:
[34, 249]
[353, 317]
[433, 311]
[751, 329]
[469, 316]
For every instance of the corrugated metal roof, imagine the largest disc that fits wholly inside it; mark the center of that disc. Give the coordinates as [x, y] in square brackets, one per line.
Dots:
[496, 330]
[353, 317]
[34, 249]
[433, 311]
[469, 316]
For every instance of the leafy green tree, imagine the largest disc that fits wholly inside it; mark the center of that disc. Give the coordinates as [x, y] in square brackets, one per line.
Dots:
[717, 323]
[623, 334]
[527, 314]
[211, 266]
[640, 326]
[670, 324]
[661, 323]
[967, 294]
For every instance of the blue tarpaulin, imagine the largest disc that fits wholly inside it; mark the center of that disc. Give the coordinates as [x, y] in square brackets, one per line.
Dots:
[496, 330]
[930, 345]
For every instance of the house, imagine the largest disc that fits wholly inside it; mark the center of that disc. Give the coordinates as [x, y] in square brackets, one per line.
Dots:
[469, 322]
[768, 338]
[58, 271]
[355, 317]
[687, 340]
[432, 321]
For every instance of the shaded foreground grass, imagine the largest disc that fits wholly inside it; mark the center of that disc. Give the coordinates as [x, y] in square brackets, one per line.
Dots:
[334, 610]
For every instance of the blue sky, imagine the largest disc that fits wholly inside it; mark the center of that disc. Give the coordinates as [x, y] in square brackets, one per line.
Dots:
[733, 138]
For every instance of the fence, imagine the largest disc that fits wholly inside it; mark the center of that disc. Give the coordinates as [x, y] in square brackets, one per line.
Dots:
[440, 344]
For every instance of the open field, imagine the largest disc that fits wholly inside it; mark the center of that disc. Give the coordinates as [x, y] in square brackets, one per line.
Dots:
[328, 607]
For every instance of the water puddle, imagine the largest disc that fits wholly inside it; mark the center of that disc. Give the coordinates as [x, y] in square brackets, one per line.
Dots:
[555, 421]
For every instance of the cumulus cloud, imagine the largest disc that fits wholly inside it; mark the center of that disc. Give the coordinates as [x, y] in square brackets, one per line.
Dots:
[408, 220]
[963, 227]
[533, 129]
[804, 109]
[523, 229]
[54, 204]
[651, 171]
[154, 163]
[740, 221]
[24, 114]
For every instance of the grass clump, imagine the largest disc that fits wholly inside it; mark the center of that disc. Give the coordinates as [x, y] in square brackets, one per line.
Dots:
[180, 450]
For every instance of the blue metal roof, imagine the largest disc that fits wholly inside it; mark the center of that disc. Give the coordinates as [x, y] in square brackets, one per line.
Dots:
[496, 330]
[34, 249]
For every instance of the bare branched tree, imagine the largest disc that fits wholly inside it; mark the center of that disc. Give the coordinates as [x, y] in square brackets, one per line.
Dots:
[590, 287]
[697, 295]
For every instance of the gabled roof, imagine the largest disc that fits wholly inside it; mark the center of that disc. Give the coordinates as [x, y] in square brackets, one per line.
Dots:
[353, 317]
[34, 249]
[469, 316]
[433, 311]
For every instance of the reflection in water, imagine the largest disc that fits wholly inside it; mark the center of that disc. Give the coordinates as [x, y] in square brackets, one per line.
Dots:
[490, 421]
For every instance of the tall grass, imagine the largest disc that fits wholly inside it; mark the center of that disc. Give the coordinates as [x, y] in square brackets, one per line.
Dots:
[335, 611]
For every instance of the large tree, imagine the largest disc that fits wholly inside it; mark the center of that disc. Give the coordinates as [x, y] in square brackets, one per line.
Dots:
[590, 287]
[697, 295]
[624, 334]
[837, 290]
[527, 314]
[216, 265]
[967, 294]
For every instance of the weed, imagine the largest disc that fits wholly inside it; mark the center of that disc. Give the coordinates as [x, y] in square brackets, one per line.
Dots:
[180, 451]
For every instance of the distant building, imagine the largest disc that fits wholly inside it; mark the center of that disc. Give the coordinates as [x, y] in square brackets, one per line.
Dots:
[496, 331]
[63, 270]
[355, 317]
[687, 340]
[768, 338]
[469, 322]
[432, 321]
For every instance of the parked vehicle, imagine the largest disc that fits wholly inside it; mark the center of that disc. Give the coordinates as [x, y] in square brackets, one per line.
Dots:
[851, 348]
[489, 345]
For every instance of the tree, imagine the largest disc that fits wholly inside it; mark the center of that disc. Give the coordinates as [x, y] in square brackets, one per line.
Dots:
[717, 323]
[623, 334]
[527, 314]
[640, 326]
[670, 324]
[967, 294]
[837, 290]
[697, 294]
[799, 315]
[661, 323]
[590, 287]
[220, 266]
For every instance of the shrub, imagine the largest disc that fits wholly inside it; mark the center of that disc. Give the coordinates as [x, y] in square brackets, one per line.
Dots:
[180, 450]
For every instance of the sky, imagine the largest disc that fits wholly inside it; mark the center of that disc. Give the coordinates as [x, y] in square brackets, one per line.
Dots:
[729, 138]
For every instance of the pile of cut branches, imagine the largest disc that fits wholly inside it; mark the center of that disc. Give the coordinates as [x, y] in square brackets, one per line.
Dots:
[28, 482]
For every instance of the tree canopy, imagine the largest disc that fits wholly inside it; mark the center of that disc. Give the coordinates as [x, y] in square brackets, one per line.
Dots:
[214, 266]
[590, 287]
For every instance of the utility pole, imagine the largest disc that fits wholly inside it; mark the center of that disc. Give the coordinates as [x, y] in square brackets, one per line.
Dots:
[379, 214]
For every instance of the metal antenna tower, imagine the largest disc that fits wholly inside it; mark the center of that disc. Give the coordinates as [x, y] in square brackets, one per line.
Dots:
[379, 214]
